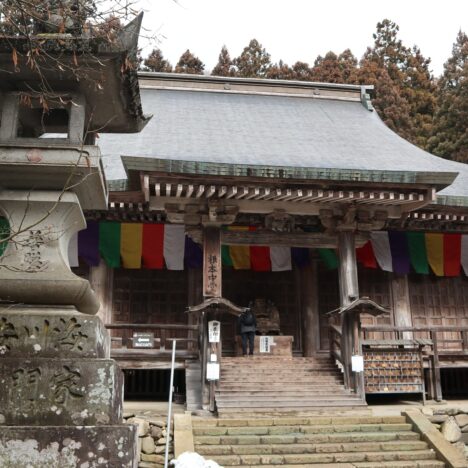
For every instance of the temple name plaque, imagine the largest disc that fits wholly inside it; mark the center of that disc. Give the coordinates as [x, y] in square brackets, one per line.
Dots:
[143, 340]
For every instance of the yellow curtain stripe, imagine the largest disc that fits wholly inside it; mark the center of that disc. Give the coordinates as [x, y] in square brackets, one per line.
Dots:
[130, 244]
[240, 254]
[435, 252]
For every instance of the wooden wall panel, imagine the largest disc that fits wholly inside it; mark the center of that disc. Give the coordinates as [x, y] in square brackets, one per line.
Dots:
[439, 301]
[150, 296]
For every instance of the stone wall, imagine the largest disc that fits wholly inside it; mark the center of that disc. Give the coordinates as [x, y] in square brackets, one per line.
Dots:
[152, 437]
[452, 423]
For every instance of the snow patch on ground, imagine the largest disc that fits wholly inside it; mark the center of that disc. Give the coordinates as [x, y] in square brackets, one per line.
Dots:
[193, 460]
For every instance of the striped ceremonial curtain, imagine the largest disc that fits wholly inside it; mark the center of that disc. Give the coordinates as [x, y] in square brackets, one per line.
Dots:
[157, 246]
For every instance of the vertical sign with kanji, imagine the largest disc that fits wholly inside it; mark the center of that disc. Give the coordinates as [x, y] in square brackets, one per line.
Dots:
[212, 262]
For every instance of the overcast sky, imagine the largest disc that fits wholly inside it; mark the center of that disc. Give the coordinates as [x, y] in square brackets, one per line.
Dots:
[301, 29]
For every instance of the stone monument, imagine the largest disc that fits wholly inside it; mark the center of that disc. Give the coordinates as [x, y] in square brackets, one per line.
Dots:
[61, 398]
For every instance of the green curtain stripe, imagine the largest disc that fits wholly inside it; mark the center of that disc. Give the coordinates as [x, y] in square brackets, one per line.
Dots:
[226, 256]
[417, 250]
[329, 257]
[109, 243]
[4, 233]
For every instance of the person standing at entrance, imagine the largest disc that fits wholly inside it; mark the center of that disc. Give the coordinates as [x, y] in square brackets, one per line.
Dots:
[247, 328]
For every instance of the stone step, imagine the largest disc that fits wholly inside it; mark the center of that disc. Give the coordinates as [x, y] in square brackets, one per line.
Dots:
[359, 408]
[385, 455]
[298, 421]
[290, 449]
[309, 386]
[280, 381]
[330, 438]
[296, 430]
[282, 391]
[350, 400]
[391, 464]
[305, 398]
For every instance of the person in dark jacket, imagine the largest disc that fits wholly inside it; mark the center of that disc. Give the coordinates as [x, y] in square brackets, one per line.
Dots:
[247, 328]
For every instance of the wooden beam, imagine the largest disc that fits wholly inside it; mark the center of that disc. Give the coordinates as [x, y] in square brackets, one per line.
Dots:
[293, 239]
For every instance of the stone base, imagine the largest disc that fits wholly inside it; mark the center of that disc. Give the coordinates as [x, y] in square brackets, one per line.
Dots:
[51, 332]
[69, 447]
[44, 391]
[281, 346]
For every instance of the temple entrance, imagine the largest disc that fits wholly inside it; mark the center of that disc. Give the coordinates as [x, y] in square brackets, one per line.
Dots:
[282, 288]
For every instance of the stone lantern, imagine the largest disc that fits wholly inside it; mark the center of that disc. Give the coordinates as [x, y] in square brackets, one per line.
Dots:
[61, 396]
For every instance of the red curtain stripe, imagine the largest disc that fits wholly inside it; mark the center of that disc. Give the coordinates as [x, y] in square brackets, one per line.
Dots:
[153, 246]
[452, 254]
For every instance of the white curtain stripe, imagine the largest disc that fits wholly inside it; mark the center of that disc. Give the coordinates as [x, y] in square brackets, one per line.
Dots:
[381, 245]
[280, 258]
[174, 246]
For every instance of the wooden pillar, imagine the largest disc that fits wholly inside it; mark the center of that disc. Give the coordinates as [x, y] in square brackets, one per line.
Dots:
[349, 291]
[101, 279]
[212, 287]
[194, 298]
[310, 309]
[401, 303]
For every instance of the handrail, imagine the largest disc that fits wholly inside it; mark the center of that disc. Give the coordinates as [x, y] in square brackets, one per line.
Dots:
[335, 339]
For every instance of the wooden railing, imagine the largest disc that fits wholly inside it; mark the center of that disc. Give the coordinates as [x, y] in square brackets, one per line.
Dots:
[164, 334]
[446, 343]
[335, 340]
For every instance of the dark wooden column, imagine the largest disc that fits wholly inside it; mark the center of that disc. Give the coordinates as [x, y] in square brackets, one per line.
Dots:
[401, 303]
[212, 287]
[310, 310]
[349, 290]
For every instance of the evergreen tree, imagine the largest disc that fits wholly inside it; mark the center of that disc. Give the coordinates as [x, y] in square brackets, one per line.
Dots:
[326, 69]
[301, 71]
[224, 67]
[450, 133]
[409, 72]
[280, 71]
[189, 63]
[254, 61]
[335, 68]
[155, 62]
[348, 64]
[393, 109]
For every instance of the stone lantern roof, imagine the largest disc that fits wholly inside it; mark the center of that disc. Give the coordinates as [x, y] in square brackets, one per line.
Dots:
[102, 72]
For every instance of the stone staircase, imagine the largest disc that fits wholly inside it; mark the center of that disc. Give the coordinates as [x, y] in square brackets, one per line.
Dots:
[275, 385]
[332, 442]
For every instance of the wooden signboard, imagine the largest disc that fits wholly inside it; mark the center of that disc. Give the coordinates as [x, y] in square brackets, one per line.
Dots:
[143, 340]
[212, 262]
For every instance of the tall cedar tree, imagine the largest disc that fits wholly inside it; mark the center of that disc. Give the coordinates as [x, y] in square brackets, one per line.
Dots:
[156, 62]
[391, 106]
[224, 67]
[280, 71]
[409, 72]
[335, 68]
[450, 135]
[254, 61]
[302, 71]
[189, 63]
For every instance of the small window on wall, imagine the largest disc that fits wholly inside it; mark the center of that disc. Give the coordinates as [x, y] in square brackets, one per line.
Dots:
[4, 234]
